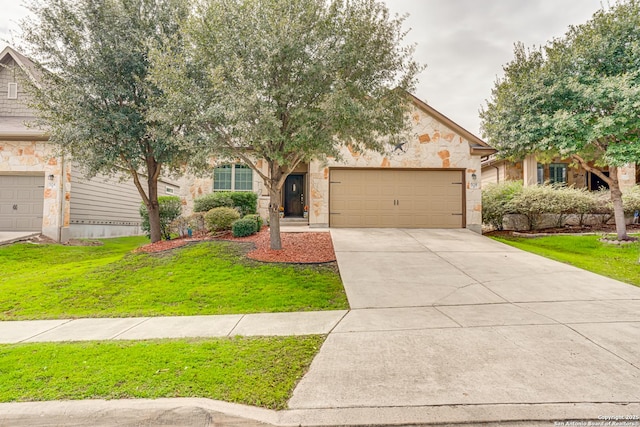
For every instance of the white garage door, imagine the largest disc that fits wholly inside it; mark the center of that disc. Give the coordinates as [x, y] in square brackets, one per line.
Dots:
[396, 198]
[21, 202]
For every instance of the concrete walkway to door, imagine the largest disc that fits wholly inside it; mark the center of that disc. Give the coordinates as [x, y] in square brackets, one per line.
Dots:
[451, 326]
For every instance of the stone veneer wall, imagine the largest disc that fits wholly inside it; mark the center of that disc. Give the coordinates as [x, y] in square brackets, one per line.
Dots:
[430, 144]
[33, 158]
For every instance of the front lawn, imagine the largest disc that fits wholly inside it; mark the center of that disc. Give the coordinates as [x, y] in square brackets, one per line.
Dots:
[253, 371]
[586, 252]
[54, 281]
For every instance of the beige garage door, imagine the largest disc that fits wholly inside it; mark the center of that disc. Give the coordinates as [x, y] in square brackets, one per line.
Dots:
[396, 198]
[21, 201]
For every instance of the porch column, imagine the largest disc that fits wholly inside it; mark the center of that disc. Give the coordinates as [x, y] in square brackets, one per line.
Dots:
[530, 170]
[627, 176]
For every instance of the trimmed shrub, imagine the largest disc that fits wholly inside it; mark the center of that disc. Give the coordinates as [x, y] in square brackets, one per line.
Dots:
[246, 202]
[257, 220]
[220, 219]
[212, 200]
[495, 198]
[535, 201]
[631, 200]
[170, 209]
[244, 227]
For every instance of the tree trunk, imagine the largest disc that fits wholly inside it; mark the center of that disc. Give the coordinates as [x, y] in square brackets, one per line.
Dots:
[274, 219]
[618, 209]
[275, 198]
[153, 208]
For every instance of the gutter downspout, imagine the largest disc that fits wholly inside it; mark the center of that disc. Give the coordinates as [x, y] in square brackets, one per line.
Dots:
[497, 174]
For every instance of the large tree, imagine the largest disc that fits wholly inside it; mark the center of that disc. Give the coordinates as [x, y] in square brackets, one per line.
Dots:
[93, 93]
[576, 97]
[288, 81]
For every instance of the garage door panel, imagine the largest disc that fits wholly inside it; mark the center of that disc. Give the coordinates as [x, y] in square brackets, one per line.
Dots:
[21, 202]
[396, 198]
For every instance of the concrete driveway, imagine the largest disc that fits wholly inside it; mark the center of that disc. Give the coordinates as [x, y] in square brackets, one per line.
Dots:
[451, 326]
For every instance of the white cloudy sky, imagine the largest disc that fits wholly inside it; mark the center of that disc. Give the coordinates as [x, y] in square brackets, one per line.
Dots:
[463, 42]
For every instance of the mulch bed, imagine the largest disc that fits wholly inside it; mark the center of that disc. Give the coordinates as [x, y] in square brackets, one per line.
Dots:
[297, 248]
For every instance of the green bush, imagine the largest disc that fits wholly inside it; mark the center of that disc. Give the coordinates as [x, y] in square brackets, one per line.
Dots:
[495, 198]
[245, 201]
[244, 227]
[257, 221]
[631, 200]
[170, 209]
[220, 219]
[212, 200]
[535, 201]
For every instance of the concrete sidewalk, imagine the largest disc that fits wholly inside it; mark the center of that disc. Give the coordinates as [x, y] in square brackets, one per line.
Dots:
[142, 328]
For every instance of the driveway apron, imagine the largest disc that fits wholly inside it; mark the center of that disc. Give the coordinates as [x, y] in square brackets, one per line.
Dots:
[449, 317]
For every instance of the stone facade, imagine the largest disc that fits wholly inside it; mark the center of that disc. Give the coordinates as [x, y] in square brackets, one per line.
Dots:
[36, 158]
[527, 171]
[433, 143]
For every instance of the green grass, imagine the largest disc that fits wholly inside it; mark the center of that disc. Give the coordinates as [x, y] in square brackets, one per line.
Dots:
[54, 281]
[586, 252]
[253, 371]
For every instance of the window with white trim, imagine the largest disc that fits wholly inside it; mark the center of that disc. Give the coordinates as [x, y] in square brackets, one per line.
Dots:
[12, 91]
[232, 178]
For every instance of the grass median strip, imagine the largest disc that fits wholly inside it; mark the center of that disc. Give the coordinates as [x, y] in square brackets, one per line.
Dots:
[253, 371]
[618, 262]
[214, 277]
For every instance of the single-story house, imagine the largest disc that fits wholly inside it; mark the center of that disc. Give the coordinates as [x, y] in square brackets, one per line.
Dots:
[432, 180]
[562, 171]
[45, 193]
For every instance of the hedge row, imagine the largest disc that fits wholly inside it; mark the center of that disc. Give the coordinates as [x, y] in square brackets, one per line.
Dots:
[534, 202]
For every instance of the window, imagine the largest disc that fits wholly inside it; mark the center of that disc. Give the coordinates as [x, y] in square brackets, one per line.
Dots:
[558, 173]
[12, 91]
[232, 178]
[540, 173]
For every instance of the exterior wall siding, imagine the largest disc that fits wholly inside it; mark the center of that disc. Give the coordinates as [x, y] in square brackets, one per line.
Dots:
[10, 72]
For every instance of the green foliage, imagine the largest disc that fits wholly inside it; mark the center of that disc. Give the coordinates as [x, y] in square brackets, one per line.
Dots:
[212, 200]
[245, 201]
[495, 201]
[170, 208]
[577, 97]
[61, 282]
[94, 97]
[287, 81]
[257, 219]
[631, 199]
[252, 371]
[536, 201]
[244, 227]
[220, 219]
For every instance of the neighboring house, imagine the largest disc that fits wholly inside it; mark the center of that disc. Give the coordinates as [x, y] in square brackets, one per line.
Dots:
[432, 180]
[44, 193]
[560, 171]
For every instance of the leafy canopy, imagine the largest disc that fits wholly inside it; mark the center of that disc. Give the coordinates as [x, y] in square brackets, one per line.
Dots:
[93, 93]
[578, 96]
[288, 81]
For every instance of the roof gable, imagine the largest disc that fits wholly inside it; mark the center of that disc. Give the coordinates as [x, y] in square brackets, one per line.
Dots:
[477, 145]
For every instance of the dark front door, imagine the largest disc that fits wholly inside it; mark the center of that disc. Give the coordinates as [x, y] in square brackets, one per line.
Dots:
[294, 196]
